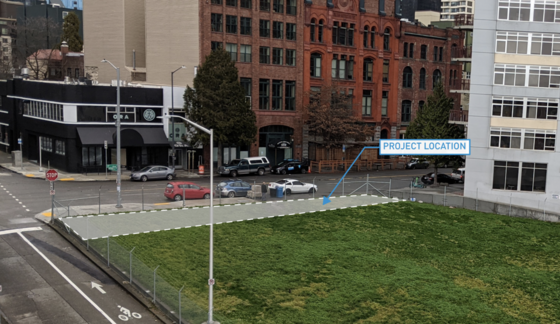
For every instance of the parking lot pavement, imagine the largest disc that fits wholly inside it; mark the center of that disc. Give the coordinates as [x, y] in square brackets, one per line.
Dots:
[92, 227]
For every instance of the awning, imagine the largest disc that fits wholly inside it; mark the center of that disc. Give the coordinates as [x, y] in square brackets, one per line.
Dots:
[130, 136]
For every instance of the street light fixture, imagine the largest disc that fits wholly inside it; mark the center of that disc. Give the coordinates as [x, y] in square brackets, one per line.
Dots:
[172, 120]
[211, 274]
[119, 205]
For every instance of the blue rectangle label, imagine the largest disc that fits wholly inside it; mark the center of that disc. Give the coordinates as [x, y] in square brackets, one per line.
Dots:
[424, 147]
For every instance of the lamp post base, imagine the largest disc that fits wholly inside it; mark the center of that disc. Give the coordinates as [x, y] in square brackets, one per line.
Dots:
[118, 206]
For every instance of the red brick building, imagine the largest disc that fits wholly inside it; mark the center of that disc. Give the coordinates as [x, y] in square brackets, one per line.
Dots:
[265, 38]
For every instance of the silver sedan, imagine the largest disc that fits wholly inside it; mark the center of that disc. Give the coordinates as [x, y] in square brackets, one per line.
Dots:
[153, 172]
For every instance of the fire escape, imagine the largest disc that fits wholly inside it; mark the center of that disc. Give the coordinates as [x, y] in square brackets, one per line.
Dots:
[463, 54]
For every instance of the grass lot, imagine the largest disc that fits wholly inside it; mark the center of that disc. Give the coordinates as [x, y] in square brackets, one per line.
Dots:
[393, 263]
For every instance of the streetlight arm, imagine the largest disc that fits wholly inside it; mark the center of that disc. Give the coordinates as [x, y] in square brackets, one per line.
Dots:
[206, 130]
[106, 61]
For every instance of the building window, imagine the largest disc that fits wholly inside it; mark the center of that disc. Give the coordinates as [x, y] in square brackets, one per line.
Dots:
[533, 176]
[351, 35]
[320, 31]
[372, 35]
[278, 6]
[423, 52]
[382, 7]
[405, 51]
[368, 69]
[77, 73]
[350, 68]
[46, 144]
[420, 105]
[505, 138]
[422, 83]
[343, 68]
[441, 54]
[277, 56]
[386, 40]
[516, 10]
[264, 28]
[92, 156]
[60, 148]
[366, 102]
[435, 53]
[245, 26]
[278, 30]
[246, 4]
[216, 46]
[411, 50]
[407, 77]
[232, 3]
[436, 78]
[546, 11]
[384, 102]
[231, 24]
[290, 57]
[509, 75]
[508, 107]
[290, 31]
[264, 94]
[245, 53]
[291, 7]
[216, 22]
[515, 75]
[366, 31]
[385, 71]
[544, 76]
[69, 72]
[218, 2]
[290, 97]
[405, 111]
[316, 65]
[264, 55]
[542, 108]
[335, 33]
[264, 5]
[541, 140]
[312, 30]
[246, 83]
[506, 175]
[343, 34]
[232, 50]
[277, 91]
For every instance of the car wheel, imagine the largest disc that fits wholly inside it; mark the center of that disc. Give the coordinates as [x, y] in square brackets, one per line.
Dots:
[234, 174]
[283, 172]
[178, 198]
[206, 196]
[231, 194]
[288, 192]
[260, 172]
[169, 177]
[144, 178]
[312, 190]
[413, 167]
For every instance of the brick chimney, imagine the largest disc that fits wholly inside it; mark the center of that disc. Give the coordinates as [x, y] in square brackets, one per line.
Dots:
[64, 48]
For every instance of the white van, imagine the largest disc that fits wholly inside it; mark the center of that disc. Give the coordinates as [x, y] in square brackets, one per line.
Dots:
[459, 174]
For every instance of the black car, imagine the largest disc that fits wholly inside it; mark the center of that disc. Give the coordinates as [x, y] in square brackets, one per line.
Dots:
[289, 166]
[441, 178]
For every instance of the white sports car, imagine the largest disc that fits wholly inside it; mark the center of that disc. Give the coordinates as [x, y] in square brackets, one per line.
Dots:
[293, 186]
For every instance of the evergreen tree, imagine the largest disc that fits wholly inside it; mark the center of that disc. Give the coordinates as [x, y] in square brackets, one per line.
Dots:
[217, 100]
[71, 33]
[432, 122]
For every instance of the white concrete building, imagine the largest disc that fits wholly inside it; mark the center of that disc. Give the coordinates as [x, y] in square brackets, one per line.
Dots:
[513, 116]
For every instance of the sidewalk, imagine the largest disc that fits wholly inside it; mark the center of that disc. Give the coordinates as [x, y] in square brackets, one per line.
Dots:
[32, 170]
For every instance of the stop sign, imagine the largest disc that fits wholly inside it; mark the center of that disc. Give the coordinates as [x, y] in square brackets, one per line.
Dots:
[51, 175]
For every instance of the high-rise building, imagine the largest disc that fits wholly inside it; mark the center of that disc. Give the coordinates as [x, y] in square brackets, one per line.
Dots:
[451, 8]
[410, 7]
[513, 116]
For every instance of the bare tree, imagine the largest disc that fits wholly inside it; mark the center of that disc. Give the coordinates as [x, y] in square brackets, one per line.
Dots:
[330, 115]
[36, 40]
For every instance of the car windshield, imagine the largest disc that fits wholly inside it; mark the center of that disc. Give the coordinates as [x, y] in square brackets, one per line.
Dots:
[456, 171]
[281, 181]
[145, 169]
[413, 160]
[234, 162]
[222, 184]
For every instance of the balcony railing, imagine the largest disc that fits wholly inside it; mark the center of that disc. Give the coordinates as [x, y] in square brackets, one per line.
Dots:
[464, 20]
[460, 84]
[459, 116]
[461, 52]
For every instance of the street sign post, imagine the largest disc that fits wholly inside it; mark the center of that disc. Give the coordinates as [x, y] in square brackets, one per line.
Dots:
[112, 167]
[52, 192]
[51, 175]
[105, 145]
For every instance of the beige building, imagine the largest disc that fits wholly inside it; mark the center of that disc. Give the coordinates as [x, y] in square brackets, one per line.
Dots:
[116, 30]
[452, 8]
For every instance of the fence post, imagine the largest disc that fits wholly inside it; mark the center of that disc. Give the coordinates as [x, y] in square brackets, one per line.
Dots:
[142, 197]
[108, 240]
[183, 197]
[444, 195]
[155, 283]
[476, 205]
[390, 187]
[180, 303]
[343, 186]
[410, 198]
[313, 188]
[99, 211]
[130, 270]
[68, 210]
[510, 204]
[367, 184]
[544, 209]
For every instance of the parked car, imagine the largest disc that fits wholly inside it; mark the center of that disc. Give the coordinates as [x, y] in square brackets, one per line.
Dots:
[459, 174]
[153, 172]
[441, 178]
[233, 188]
[258, 165]
[174, 190]
[293, 186]
[417, 164]
[289, 166]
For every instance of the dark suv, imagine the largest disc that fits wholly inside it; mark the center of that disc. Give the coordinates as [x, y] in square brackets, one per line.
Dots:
[289, 166]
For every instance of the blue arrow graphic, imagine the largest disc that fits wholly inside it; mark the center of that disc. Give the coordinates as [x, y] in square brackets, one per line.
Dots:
[326, 200]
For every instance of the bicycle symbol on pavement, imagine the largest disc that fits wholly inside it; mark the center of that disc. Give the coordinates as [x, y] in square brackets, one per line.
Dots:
[126, 314]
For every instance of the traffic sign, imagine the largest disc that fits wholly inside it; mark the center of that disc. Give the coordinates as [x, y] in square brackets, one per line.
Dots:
[105, 144]
[211, 282]
[51, 175]
[112, 167]
[19, 141]
[52, 192]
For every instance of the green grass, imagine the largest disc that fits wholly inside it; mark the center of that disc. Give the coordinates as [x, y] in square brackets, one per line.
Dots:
[393, 263]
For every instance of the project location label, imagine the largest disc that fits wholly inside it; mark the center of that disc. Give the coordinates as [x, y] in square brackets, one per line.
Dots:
[424, 147]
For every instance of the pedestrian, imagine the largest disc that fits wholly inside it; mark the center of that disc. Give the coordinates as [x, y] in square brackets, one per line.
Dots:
[264, 190]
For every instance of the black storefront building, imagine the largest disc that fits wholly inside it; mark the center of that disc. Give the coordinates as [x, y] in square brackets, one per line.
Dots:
[69, 124]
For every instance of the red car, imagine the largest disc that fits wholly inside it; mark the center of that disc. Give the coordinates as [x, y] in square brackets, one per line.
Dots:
[174, 190]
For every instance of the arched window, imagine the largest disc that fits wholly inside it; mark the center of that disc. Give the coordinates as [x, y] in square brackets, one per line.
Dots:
[386, 40]
[368, 69]
[372, 37]
[422, 83]
[405, 51]
[405, 111]
[316, 65]
[320, 31]
[436, 78]
[407, 77]
[366, 31]
[312, 31]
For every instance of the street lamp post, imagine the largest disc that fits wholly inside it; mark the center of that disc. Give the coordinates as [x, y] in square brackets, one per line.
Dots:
[172, 120]
[211, 281]
[119, 205]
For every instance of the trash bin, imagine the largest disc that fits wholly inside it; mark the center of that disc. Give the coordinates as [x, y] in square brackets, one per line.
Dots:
[279, 192]
[272, 192]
